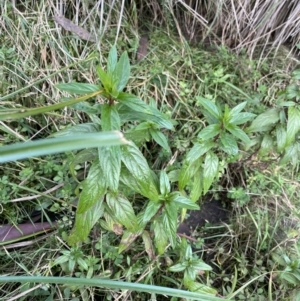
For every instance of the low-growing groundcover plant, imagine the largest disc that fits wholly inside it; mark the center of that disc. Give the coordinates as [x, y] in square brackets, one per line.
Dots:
[118, 175]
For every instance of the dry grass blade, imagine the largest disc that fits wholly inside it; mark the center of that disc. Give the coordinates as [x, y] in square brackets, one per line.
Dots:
[70, 26]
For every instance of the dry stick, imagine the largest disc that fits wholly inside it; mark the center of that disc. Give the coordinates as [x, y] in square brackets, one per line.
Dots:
[27, 198]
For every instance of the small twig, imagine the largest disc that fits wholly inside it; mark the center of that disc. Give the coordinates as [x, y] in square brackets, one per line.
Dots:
[27, 198]
[187, 237]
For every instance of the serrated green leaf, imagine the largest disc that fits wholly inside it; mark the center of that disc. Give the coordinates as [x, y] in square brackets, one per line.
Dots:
[210, 170]
[160, 236]
[265, 121]
[78, 88]
[160, 139]
[138, 110]
[266, 144]
[187, 171]
[210, 107]
[110, 162]
[237, 109]
[241, 118]
[292, 154]
[146, 188]
[77, 130]
[281, 137]
[239, 133]
[229, 144]
[164, 183]
[105, 79]
[151, 209]
[135, 162]
[199, 265]
[293, 92]
[179, 267]
[197, 186]
[110, 119]
[112, 61]
[122, 210]
[182, 202]
[169, 217]
[198, 150]
[121, 73]
[293, 124]
[209, 132]
[201, 288]
[93, 188]
[84, 222]
[138, 137]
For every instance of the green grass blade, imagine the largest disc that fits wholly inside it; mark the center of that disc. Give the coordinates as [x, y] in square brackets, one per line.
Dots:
[25, 112]
[112, 284]
[56, 145]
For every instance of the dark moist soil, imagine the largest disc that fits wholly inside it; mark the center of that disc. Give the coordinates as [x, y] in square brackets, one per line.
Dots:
[212, 211]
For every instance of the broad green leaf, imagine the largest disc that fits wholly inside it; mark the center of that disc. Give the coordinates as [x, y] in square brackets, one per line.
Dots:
[164, 183]
[292, 154]
[135, 162]
[110, 119]
[237, 109]
[105, 79]
[179, 267]
[198, 150]
[293, 92]
[199, 265]
[169, 217]
[197, 187]
[182, 202]
[134, 103]
[93, 188]
[138, 137]
[209, 132]
[84, 222]
[110, 162]
[293, 124]
[210, 107]
[43, 147]
[122, 72]
[77, 130]
[210, 170]
[266, 144]
[112, 61]
[229, 144]
[265, 121]
[160, 236]
[160, 139]
[201, 288]
[7, 114]
[241, 118]
[239, 133]
[127, 114]
[78, 88]
[281, 137]
[127, 239]
[187, 171]
[122, 210]
[151, 209]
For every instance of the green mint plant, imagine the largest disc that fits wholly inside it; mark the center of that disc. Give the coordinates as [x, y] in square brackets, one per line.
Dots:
[119, 169]
[278, 128]
[217, 141]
